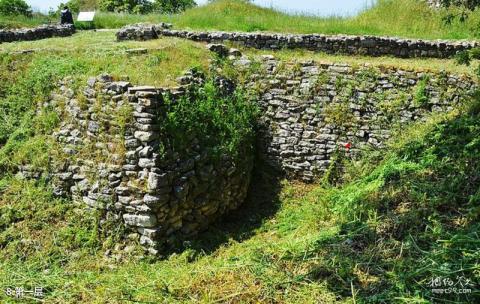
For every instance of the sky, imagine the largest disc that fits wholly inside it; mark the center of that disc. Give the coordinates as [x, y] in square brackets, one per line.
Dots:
[314, 7]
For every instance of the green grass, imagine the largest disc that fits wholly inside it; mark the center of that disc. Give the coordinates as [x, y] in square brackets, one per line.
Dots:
[404, 18]
[395, 221]
[375, 234]
[98, 52]
[8, 22]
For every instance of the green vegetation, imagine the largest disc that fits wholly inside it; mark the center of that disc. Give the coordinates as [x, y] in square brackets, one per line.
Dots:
[131, 6]
[394, 222]
[126, 6]
[15, 8]
[222, 124]
[99, 52]
[404, 18]
[27, 81]
[376, 229]
[421, 97]
[9, 22]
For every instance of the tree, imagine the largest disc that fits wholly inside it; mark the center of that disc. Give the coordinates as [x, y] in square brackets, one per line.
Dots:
[77, 5]
[464, 6]
[15, 7]
[173, 6]
[467, 4]
[126, 6]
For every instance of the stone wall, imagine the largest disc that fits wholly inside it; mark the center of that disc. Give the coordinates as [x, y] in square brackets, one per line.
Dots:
[141, 31]
[117, 159]
[311, 111]
[342, 44]
[41, 32]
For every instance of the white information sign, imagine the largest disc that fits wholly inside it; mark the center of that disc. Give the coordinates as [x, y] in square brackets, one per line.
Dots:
[86, 16]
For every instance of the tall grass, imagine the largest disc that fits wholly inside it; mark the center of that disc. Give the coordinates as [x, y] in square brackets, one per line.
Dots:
[8, 22]
[404, 18]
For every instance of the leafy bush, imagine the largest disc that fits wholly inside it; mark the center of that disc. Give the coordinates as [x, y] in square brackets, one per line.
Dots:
[15, 7]
[462, 12]
[173, 6]
[126, 6]
[223, 124]
[77, 5]
[466, 58]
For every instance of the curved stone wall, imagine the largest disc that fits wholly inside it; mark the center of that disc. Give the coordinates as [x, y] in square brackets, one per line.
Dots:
[117, 159]
[41, 32]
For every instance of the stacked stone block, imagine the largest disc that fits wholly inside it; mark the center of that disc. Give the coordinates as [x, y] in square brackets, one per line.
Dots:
[131, 173]
[313, 111]
[40, 32]
[141, 31]
[341, 44]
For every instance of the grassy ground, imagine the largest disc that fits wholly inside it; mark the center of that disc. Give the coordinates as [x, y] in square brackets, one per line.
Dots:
[378, 234]
[21, 21]
[405, 18]
[97, 52]
[165, 62]
[389, 226]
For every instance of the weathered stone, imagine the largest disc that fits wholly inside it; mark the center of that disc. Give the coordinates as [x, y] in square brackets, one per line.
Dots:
[219, 49]
[353, 45]
[180, 193]
[156, 181]
[140, 220]
[146, 163]
[146, 136]
[40, 32]
[157, 200]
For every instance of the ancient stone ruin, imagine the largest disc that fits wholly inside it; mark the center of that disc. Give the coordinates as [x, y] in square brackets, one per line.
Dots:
[141, 31]
[115, 155]
[116, 158]
[313, 111]
[40, 32]
[341, 44]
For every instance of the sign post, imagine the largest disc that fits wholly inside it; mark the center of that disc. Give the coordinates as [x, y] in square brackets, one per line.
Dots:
[86, 17]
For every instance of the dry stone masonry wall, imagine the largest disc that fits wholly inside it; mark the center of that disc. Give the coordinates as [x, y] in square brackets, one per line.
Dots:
[141, 31]
[41, 32]
[116, 156]
[117, 159]
[342, 44]
[311, 111]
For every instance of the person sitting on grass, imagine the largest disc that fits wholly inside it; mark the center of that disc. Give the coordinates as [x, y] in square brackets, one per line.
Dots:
[66, 16]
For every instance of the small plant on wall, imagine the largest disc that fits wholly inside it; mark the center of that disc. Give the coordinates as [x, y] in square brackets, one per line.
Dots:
[420, 98]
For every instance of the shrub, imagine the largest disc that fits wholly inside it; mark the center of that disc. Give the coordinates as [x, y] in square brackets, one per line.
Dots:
[126, 6]
[77, 5]
[222, 124]
[174, 6]
[15, 7]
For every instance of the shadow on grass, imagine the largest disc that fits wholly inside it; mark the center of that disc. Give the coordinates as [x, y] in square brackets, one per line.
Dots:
[261, 204]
